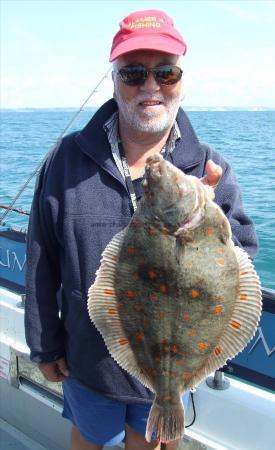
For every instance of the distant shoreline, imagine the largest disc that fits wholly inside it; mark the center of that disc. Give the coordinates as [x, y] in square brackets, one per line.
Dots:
[186, 108]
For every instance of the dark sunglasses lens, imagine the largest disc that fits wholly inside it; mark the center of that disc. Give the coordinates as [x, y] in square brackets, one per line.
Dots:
[168, 74]
[133, 76]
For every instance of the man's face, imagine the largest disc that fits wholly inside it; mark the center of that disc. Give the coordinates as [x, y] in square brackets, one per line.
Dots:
[151, 107]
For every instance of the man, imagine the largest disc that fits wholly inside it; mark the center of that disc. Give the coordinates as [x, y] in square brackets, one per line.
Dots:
[83, 197]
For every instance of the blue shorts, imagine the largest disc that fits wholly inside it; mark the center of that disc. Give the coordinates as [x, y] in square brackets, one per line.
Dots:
[99, 419]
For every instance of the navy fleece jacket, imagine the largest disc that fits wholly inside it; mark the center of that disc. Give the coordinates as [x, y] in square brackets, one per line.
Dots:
[80, 203]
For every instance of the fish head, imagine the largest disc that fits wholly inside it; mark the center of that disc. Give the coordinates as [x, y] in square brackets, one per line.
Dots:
[176, 199]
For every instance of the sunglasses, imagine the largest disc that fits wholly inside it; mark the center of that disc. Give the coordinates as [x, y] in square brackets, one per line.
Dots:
[165, 75]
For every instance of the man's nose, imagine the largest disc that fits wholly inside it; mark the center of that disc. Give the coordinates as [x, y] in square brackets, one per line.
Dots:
[150, 84]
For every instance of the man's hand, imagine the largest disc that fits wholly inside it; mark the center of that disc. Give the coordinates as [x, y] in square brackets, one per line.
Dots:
[213, 174]
[55, 370]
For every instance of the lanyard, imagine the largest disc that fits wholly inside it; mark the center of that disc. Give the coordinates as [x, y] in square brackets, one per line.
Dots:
[128, 179]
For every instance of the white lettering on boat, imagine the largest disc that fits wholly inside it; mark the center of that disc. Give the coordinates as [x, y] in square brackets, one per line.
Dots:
[262, 338]
[10, 260]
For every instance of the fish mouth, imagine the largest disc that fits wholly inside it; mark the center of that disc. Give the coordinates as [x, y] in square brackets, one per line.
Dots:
[155, 167]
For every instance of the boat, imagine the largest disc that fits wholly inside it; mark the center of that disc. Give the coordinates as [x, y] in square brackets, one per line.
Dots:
[232, 409]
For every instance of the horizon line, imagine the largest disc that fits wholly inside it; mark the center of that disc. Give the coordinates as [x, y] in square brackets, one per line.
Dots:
[221, 107]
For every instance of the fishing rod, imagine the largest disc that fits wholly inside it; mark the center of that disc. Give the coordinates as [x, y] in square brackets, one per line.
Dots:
[35, 172]
[19, 211]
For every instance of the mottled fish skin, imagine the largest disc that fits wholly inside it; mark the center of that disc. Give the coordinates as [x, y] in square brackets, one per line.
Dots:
[176, 284]
[169, 281]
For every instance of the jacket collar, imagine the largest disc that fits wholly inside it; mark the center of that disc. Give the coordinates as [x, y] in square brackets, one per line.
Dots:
[93, 141]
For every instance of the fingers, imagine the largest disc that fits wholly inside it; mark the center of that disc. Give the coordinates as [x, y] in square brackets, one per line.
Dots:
[213, 174]
[62, 365]
[54, 371]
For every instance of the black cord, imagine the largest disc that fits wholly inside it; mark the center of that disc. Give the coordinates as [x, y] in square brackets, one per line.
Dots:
[194, 410]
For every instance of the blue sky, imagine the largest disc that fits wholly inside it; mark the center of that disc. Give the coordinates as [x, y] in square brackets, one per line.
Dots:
[53, 52]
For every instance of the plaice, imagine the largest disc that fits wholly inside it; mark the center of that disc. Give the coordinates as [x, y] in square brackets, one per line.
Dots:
[174, 299]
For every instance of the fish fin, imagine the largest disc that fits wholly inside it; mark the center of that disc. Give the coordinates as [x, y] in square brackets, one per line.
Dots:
[166, 421]
[103, 311]
[244, 320]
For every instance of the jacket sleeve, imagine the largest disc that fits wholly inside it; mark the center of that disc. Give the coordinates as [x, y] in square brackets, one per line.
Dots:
[228, 196]
[43, 327]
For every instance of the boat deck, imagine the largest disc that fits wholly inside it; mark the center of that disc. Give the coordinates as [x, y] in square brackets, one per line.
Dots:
[13, 439]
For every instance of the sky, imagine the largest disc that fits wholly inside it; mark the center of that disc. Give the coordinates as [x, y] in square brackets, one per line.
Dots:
[54, 52]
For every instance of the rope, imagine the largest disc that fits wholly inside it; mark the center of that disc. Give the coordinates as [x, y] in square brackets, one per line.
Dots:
[35, 172]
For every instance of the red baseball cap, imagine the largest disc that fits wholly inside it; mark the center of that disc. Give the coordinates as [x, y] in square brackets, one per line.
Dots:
[147, 30]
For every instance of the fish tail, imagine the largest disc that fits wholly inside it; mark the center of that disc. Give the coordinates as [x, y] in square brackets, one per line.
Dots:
[166, 421]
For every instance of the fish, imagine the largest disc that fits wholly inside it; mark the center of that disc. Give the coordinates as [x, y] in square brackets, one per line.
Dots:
[174, 298]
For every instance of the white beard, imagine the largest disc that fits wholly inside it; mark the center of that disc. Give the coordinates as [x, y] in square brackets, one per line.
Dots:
[151, 122]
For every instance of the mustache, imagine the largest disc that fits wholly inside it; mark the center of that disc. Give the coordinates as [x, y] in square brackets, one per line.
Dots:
[148, 98]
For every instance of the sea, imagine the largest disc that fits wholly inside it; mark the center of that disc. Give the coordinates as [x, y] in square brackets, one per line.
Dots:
[246, 139]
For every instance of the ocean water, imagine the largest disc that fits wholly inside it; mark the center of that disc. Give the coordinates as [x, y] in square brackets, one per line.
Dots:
[245, 138]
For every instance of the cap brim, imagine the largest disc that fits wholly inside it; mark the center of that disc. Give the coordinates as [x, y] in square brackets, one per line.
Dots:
[158, 43]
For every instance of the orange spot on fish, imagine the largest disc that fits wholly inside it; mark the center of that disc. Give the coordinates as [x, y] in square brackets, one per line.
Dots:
[218, 309]
[244, 273]
[217, 350]
[185, 376]
[235, 324]
[167, 397]
[174, 348]
[163, 288]
[153, 297]
[131, 294]
[123, 341]
[131, 250]
[114, 258]
[140, 337]
[108, 291]
[220, 262]
[193, 333]
[243, 297]
[202, 346]
[221, 250]
[152, 275]
[194, 293]
[162, 315]
[165, 349]
[210, 231]
[112, 311]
